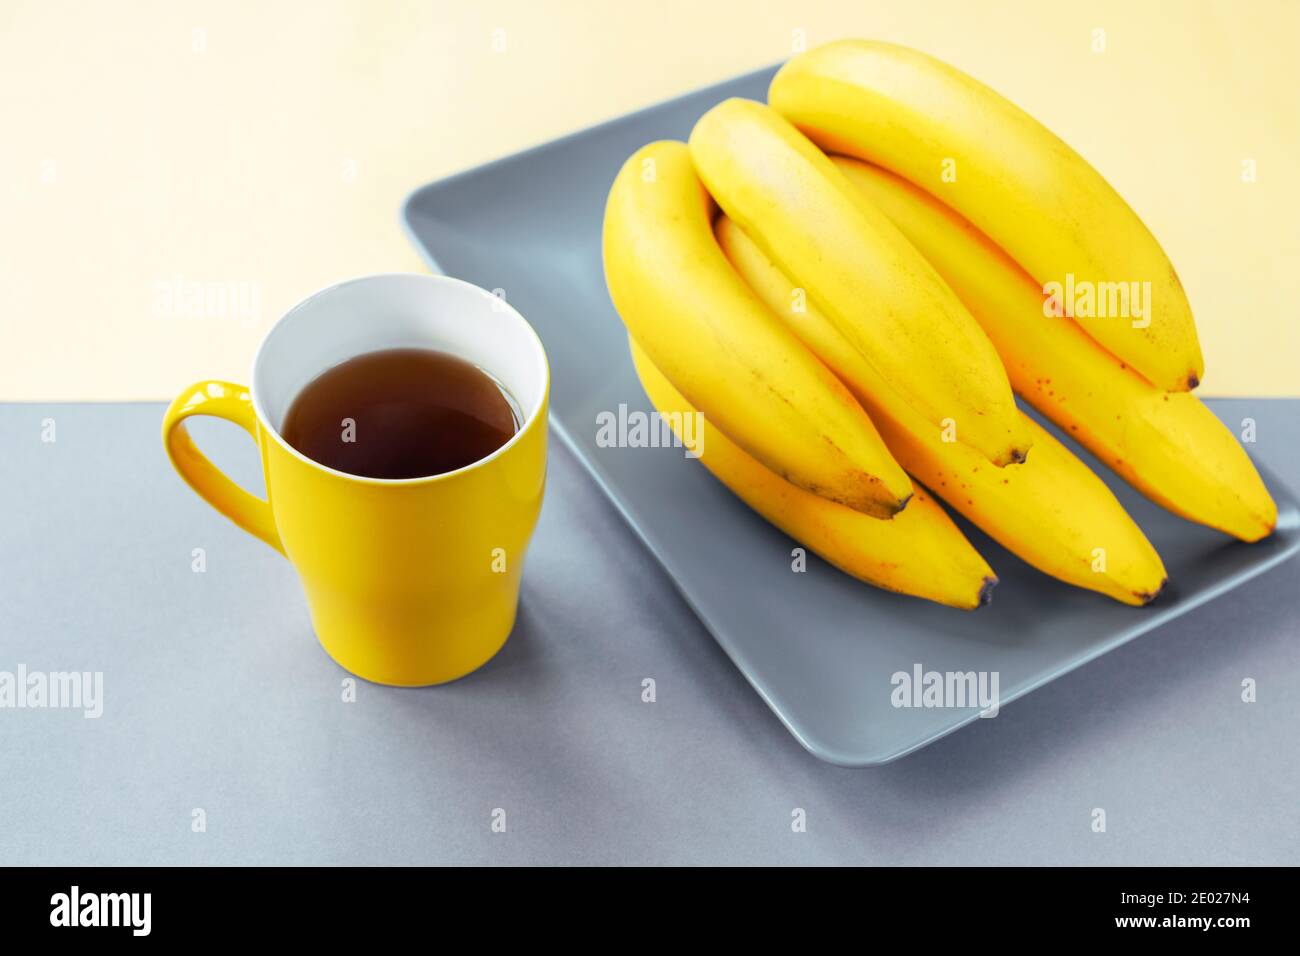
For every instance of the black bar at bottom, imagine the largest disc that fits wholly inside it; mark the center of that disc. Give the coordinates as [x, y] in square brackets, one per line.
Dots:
[218, 904]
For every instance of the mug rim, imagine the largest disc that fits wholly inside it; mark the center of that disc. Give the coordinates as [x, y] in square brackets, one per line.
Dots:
[529, 422]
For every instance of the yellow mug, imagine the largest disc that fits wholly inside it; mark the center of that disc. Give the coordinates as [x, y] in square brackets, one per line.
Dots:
[413, 581]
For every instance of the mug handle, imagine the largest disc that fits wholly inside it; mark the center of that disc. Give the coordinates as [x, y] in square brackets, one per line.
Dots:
[234, 404]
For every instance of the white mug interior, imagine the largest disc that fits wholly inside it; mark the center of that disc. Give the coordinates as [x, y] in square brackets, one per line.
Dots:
[398, 310]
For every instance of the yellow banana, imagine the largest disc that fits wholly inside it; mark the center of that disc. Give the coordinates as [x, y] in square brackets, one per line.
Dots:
[724, 350]
[919, 552]
[1010, 176]
[1168, 445]
[880, 292]
[1050, 510]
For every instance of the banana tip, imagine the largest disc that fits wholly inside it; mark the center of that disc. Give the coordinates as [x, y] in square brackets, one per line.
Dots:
[1146, 597]
[1193, 380]
[1012, 456]
[1265, 530]
[986, 590]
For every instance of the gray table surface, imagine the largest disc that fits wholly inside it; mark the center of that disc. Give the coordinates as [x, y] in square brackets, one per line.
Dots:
[217, 697]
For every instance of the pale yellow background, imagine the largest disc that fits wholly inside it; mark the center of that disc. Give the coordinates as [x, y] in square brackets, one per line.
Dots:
[271, 144]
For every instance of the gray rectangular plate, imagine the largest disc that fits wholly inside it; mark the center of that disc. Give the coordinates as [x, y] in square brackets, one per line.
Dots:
[819, 647]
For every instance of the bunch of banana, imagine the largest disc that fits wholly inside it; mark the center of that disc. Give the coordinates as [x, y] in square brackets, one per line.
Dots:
[841, 327]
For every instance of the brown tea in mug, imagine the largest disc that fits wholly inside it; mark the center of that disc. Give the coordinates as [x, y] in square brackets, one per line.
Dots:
[401, 413]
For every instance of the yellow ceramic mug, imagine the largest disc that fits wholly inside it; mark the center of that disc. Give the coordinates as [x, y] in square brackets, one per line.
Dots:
[412, 581]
